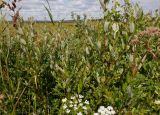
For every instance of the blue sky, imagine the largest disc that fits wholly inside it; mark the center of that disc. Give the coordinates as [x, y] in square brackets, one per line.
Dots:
[62, 9]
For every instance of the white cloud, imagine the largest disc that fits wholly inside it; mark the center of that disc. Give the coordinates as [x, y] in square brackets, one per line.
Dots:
[62, 9]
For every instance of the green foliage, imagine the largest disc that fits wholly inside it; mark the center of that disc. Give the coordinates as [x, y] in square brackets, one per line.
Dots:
[40, 67]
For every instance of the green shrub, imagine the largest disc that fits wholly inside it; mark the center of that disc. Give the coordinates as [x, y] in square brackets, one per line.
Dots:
[118, 64]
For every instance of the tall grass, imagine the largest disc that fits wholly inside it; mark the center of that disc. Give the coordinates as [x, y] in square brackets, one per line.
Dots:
[40, 67]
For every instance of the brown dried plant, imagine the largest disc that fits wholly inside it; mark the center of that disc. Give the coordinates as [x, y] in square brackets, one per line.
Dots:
[1, 97]
[145, 40]
[12, 7]
[145, 37]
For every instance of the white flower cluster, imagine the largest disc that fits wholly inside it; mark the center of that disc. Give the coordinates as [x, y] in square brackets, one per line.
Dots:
[157, 102]
[105, 111]
[75, 104]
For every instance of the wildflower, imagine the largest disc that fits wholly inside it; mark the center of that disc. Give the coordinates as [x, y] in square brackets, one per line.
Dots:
[101, 108]
[75, 108]
[68, 111]
[71, 105]
[64, 106]
[110, 108]
[76, 102]
[86, 102]
[96, 114]
[103, 113]
[84, 107]
[106, 111]
[73, 97]
[157, 102]
[86, 113]
[79, 113]
[113, 112]
[79, 100]
[81, 96]
[64, 100]
[70, 102]
[81, 104]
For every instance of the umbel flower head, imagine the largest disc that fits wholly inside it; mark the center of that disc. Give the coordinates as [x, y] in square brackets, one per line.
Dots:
[76, 104]
[105, 111]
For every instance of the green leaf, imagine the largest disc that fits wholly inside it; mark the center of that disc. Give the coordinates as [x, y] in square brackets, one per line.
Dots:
[106, 26]
[80, 85]
[23, 41]
[131, 27]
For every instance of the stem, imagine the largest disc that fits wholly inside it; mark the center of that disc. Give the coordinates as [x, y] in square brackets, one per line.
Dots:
[105, 39]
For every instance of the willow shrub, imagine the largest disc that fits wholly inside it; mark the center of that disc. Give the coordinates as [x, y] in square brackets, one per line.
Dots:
[118, 64]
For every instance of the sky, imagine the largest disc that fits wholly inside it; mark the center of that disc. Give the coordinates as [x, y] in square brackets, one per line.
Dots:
[61, 9]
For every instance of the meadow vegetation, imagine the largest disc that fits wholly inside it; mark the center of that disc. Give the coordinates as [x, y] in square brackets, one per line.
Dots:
[84, 67]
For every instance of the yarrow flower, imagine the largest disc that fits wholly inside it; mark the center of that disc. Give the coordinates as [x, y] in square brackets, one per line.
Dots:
[73, 97]
[81, 96]
[75, 104]
[110, 108]
[70, 102]
[81, 104]
[105, 111]
[79, 113]
[79, 100]
[157, 102]
[84, 107]
[64, 106]
[86, 102]
[64, 100]
[75, 107]
[68, 111]
[71, 105]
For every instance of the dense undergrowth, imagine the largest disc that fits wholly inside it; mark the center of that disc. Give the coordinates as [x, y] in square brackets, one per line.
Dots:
[118, 65]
